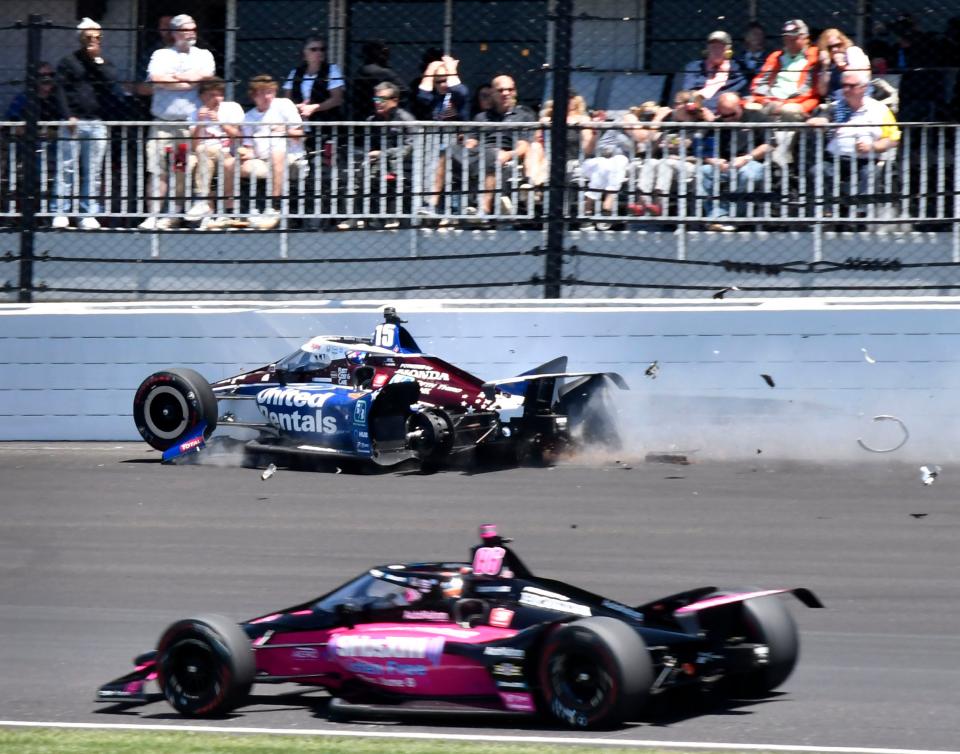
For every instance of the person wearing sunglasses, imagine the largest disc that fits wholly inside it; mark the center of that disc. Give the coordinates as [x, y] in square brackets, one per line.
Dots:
[486, 150]
[89, 93]
[316, 86]
[838, 53]
[865, 132]
[386, 167]
[175, 72]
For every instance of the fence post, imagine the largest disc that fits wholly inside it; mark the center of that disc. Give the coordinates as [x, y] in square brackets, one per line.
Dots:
[556, 217]
[28, 194]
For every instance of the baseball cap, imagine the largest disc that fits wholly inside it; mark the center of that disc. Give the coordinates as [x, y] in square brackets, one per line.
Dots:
[720, 36]
[795, 28]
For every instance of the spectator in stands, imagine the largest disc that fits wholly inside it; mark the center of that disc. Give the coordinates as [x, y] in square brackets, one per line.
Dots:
[483, 99]
[375, 70]
[787, 83]
[394, 144]
[536, 165]
[89, 94]
[272, 144]
[838, 53]
[316, 86]
[754, 50]
[486, 151]
[919, 57]
[419, 109]
[717, 72]
[143, 89]
[175, 73]
[49, 109]
[669, 151]
[215, 142]
[738, 157]
[866, 131]
[49, 102]
[609, 152]
[441, 96]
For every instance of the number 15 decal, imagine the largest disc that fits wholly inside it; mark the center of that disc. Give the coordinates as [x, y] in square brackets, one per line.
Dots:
[385, 336]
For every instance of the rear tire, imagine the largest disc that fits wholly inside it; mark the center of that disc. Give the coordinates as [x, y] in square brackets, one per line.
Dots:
[205, 665]
[594, 673]
[170, 405]
[767, 621]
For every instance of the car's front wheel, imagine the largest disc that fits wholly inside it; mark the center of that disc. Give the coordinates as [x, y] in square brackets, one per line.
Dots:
[170, 405]
[205, 665]
[594, 673]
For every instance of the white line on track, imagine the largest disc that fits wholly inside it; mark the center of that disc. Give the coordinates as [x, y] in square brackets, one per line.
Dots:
[486, 739]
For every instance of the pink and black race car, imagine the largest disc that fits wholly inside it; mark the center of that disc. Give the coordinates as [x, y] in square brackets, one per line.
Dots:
[485, 635]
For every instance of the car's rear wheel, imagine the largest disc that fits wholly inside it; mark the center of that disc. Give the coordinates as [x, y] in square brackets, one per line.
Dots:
[170, 405]
[205, 665]
[594, 673]
[767, 621]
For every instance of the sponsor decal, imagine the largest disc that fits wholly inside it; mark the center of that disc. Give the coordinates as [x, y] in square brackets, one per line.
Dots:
[388, 647]
[556, 602]
[397, 579]
[306, 653]
[501, 617]
[512, 652]
[507, 669]
[426, 615]
[379, 379]
[493, 589]
[191, 444]
[517, 702]
[343, 375]
[367, 667]
[511, 685]
[623, 609]
[307, 421]
[360, 412]
[424, 585]
[423, 372]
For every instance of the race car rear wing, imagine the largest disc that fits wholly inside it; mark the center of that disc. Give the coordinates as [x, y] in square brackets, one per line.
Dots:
[519, 384]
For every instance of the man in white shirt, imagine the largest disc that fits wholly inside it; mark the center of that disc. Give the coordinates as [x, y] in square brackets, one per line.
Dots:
[175, 73]
[272, 142]
[215, 141]
[865, 130]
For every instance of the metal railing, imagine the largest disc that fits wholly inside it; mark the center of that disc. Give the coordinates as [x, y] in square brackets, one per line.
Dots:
[383, 171]
[801, 220]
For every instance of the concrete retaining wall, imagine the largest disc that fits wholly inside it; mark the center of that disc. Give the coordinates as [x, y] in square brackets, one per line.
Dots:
[68, 372]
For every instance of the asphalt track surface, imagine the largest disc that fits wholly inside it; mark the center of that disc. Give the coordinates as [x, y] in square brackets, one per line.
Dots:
[101, 547]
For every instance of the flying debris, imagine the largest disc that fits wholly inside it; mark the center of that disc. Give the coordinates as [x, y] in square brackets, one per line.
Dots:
[653, 370]
[723, 291]
[769, 380]
[928, 474]
[919, 515]
[866, 355]
[887, 417]
[269, 472]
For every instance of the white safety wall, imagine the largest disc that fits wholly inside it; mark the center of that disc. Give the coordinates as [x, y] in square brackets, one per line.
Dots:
[68, 372]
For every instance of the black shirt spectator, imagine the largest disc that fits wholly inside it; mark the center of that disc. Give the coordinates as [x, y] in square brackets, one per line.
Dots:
[375, 69]
[88, 89]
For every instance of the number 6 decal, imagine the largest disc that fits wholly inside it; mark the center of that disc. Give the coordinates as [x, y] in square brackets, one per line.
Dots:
[488, 560]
